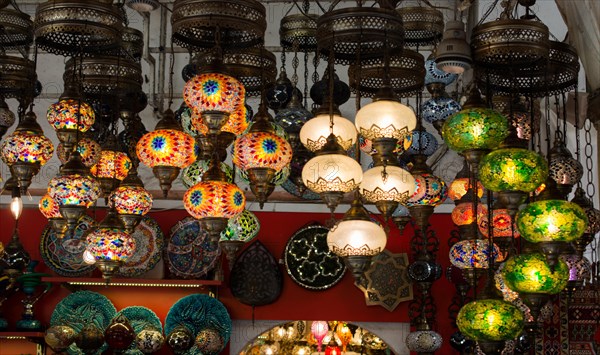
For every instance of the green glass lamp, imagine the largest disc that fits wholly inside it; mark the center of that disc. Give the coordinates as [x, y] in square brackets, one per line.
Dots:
[551, 221]
[513, 169]
[531, 273]
[490, 320]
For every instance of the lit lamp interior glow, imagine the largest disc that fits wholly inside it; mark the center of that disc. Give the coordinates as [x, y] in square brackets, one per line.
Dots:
[490, 320]
[530, 273]
[513, 169]
[551, 220]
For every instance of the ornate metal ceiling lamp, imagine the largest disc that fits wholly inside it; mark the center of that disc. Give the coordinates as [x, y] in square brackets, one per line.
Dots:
[143, 5]
[406, 74]
[17, 29]
[240, 23]
[299, 29]
[132, 43]
[423, 26]
[365, 30]
[72, 27]
[18, 78]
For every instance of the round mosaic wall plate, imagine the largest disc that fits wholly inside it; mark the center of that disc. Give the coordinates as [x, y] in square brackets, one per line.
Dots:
[308, 260]
[189, 254]
[64, 256]
[149, 244]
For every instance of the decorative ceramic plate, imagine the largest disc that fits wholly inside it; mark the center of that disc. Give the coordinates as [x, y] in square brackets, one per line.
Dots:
[65, 255]
[189, 254]
[198, 312]
[308, 260]
[149, 244]
[141, 317]
[79, 309]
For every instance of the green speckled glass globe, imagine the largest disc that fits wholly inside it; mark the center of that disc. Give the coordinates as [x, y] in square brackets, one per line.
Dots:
[490, 320]
[512, 169]
[475, 128]
[530, 273]
[551, 221]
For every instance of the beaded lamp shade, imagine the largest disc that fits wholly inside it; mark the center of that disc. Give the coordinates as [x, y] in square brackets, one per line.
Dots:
[405, 71]
[261, 150]
[213, 92]
[238, 122]
[214, 199]
[490, 320]
[531, 273]
[192, 174]
[475, 128]
[439, 109]
[344, 32]
[49, 207]
[502, 226]
[59, 29]
[112, 165]
[473, 253]
[240, 24]
[459, 187]
[27, 147]
[88, 148]
[513, 169]
[166, 147]
[430, 190]
[551, 220]
[131, 200]
[243, 227]
[78, 190]
[462, 214]
[423, 26]
[71, 114]
[110, 244]
[435, 75]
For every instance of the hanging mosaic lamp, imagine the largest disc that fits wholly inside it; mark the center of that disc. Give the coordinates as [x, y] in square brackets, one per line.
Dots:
[240, 230]
[88, 149]
[473, 254]
[112, 167]
[422, 142]
[192, 174]
[356, 238]
[502, 226]
[166, 150]
[551, 221]
[26, 150]
[531, 273]
[565, 170]
[317, 174]
[593, 216]
[319, 330]
[463, 215]
[74, 190]
[580, 270]
[314, 132]
[437, 110]
[50, 209]
[433, 75]
[293, 116]
[423, 340]
[238, 121]
[430, 190]
[131, 201]
[109, 245]
[460, 185]
[70, 117]
[261, 154]
[490, 320]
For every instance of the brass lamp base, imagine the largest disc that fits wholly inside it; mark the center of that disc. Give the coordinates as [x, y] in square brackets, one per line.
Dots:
[108, 268]
[59, 226]
[386, 208]
[166, 175]
[68, 138]
[71, 214]
[260, 183]
[214, 226]
[130, 221]
[23, 173]
[511, 200]
[491, 347]
[107, 185]
[230, 248]
[358, 265]
[332, 199]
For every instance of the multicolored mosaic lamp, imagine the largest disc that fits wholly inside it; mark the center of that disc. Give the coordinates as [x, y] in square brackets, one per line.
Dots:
[459, 187]
[50, 209]
[166, 150]
[192, 174]
[261, 154]
[580, 270]
[501, 225]
[490, 320]
[26, 150]
[131, 203]
[238, 121]
[88, 149]
[531, 273]
[422, 142]
[240, 230]
[430, 190]
[439, 109]
[112, 167]
[473, 254]
[463, 215]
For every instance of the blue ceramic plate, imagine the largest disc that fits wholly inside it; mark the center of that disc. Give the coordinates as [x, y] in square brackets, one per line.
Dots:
[149, 244]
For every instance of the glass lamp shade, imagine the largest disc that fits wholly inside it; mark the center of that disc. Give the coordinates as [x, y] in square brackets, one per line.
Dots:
[502, 227]
[213, 92]
[243, 227]
[331, 172]
[475, 128]
[580, 268]
[439, 109]
[462, 214]
[292, 118]
[490, 320]
[459, 187]
[214, 199]
[112, 165]
[473, 254]
[192, 174]
[88, 149]
[69, 114]
[422, 142]
[49, 207]
[453, 54]
[423, 341]
[319, 330]
[280, 177]
[134, 200]
[435, 75]
[333, 350]
[512, 169]
[184, 115]
[430, 190]
[315, 131]
[166, 147]
[261, 150]
[551, 221]
[531, 273]
[110, 244]
[238, 121]
[395, 184]
[356, 238]
[26, 147]
[385, 119]
[74, 190]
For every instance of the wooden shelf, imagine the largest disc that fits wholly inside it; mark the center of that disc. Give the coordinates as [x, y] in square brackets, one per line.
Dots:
[21, 335]
[118, 282]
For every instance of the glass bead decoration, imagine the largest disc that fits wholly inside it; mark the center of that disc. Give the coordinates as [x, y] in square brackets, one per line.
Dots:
[475, 128]
[214, 199]
[71, 114]
[490, 320]
[531, 273]
[512, 169]
[551, 220]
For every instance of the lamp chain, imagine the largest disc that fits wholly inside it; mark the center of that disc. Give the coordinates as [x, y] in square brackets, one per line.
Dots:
[589, 162]
[295, 63]
[315, 75]
[305, 91]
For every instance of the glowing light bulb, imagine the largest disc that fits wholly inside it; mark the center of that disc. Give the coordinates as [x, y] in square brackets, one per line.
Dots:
[16, 204]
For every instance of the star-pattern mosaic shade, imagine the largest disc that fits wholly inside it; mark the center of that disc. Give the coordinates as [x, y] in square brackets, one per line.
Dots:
[112, 165]
[69, 114]
[213, 92]
[214, 199]
[88, 149]
[74, 190]
[501, 224]
[49, 207]
[475, 128]
[110, 244]
[430, 190]
[530, 273]
[132, 200]
[473, 254]
[243, 227]
[490, 320]
[513, 169]
[261, 150]
[551, 220]
[166, 147]
[26, 147]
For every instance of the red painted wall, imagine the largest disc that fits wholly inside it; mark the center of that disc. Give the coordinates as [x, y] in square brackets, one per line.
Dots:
[344, 301]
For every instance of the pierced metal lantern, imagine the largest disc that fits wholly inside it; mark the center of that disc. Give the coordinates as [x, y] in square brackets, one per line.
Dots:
[59, 29]
[580, 269]
[565, 170]
[107, 76]
[299, 32]
[18, 78]
[423, 26]
[17, 30]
